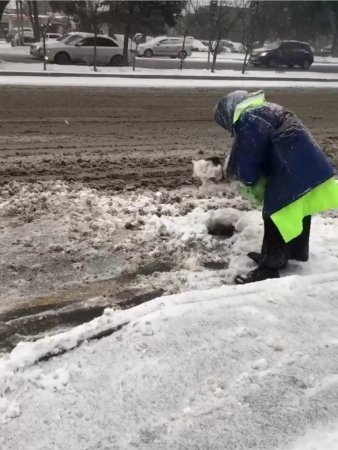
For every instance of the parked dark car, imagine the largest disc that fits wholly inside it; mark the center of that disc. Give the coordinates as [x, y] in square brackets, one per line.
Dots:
[284, 53]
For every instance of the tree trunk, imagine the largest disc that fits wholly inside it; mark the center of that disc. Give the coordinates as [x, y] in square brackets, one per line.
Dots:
[95, 37]
[183, 50]
[3, 5]
[34, 18]
[30, 12]
[134, 55]
[36, 25]
[214, 55]
[245, 60]
[127, 33]
[211, 25]
[21, 23]
[126, 45]
[18, 22]
[334, 51]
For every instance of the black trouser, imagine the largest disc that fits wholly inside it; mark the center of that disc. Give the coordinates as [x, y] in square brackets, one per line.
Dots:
[276, 253]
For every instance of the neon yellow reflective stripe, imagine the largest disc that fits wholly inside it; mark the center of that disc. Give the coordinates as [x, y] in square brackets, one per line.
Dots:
[255, 100]
[289, 220]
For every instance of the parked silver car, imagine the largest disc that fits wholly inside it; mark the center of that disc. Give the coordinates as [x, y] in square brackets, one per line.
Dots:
[36, 49]
[166, 46]
[79, 49]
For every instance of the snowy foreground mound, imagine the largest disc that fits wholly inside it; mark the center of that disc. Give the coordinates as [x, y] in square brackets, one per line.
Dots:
[214, 367]
[248, 367]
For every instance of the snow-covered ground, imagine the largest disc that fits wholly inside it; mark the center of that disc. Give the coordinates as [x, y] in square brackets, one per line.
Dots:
[215, 366]
[162, 83]
[54, 68]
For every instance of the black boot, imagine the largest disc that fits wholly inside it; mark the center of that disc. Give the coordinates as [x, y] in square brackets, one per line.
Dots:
[255, 256]
[298, 254]
[259, 274]
[295, 256]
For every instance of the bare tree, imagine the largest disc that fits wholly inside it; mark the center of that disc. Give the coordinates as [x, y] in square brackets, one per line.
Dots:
[222, 20]
[44, 31]
[95, 26]
[130, 17]
[250, 29]
[187, 18]
[137, 40]
[34, 17]
[19, 18]
[3, 5]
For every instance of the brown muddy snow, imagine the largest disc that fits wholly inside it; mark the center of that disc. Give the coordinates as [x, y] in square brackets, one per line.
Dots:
[122, 139]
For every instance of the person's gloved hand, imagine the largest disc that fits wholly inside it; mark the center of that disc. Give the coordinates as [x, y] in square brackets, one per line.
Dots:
[256, 192]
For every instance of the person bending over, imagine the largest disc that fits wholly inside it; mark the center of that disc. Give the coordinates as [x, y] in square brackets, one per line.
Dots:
[277, 159]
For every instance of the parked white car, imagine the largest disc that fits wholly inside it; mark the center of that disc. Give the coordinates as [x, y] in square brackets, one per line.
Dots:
[166, 46]
[198, 46]
[36, 49]
[79, 49]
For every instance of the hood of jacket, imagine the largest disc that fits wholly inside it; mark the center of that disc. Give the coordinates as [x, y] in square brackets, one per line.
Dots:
[225, 109]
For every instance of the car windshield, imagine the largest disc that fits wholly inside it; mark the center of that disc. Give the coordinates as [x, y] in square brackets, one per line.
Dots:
[155, 40]
[73, 40]
[271, 46]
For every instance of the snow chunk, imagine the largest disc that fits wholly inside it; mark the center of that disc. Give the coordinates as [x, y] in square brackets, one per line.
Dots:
[260, 364]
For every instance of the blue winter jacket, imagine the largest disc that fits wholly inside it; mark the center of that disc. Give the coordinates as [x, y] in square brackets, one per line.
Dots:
[271, 141]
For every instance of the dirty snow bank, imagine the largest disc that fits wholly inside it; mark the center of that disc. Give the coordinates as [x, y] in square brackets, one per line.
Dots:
[68, 225]
[56, 233]
[234, 367]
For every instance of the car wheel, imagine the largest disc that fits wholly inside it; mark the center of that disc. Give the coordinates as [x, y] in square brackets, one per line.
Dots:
[62, 58]
[116, 60]
[182, 54]
[305, 65]
[272, 63]
[149, 53]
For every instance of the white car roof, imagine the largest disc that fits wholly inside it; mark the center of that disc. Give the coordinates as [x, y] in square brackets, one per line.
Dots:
[161, 38]
[80, 35]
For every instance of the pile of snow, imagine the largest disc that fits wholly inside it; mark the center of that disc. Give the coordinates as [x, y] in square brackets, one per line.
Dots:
[139, 226]
[58, 217]
[207, 170]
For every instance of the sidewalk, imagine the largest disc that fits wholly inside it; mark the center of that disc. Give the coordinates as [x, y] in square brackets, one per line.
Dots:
[121, 82]
[33, 70]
